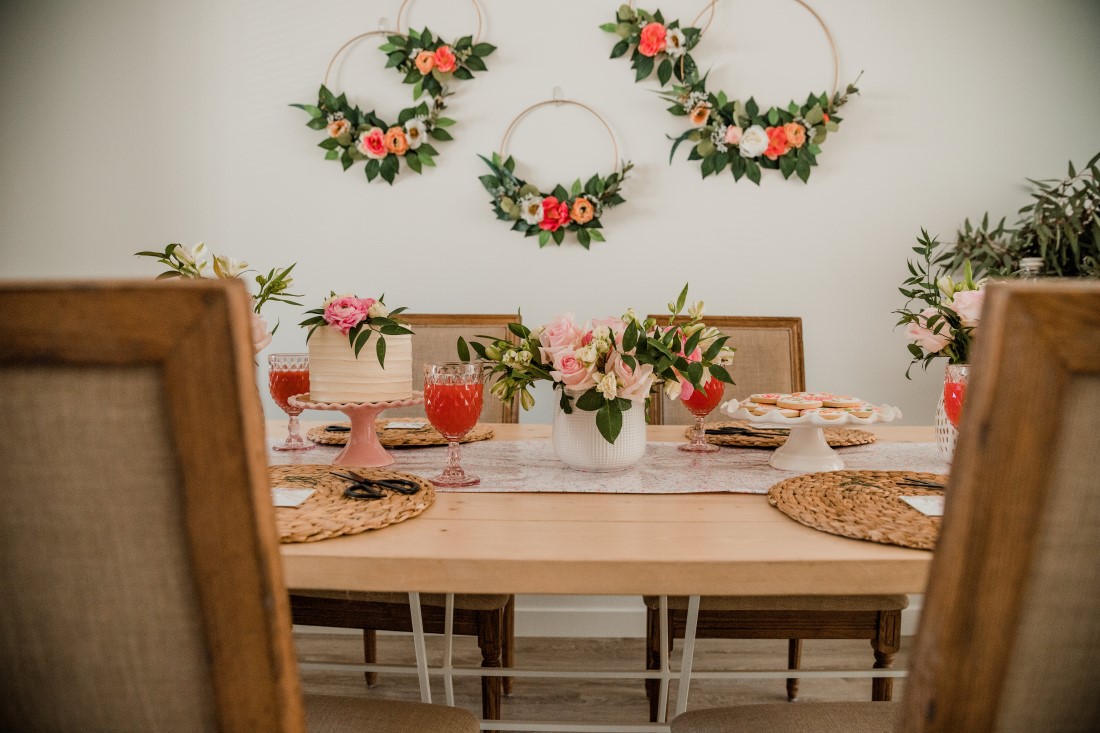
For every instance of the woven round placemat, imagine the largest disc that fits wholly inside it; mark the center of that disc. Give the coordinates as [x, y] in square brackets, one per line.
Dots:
[864, 505]
[836, 437]
[328, 513]
[398, 437]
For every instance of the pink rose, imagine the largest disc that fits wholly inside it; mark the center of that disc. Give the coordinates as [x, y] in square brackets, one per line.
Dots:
[570, 372]
[634, 384]
[919, 333]
[653, 40]
[613, 324]
[560, 334]
[373, 143]
[336, 128]
[260, 336]
[968, 304]
[733, 135]
[554, 214]
[345, 312]
[444, 59]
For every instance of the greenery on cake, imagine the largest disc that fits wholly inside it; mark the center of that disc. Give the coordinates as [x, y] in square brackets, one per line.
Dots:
[359, 319]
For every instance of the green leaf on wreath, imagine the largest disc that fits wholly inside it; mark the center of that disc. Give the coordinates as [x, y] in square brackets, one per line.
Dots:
[439, 133]
[644, 67]
[576, 190]
[475, 63]
[346, 160]
[584, 238]
[372, 169]
[620, 48]
[803, 169]
[558, 235]
[444, 122]
[484, 49]
[664, 72]
[317, 123]
[544, 237]
[786, 165]
[332, 155]
[414, 162]
[596, 234]
[560, 193]
[752, 170]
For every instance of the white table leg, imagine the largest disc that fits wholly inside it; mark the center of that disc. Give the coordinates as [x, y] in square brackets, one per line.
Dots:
[419, 647]
[662, 698]
[689, 654]
[448, 639]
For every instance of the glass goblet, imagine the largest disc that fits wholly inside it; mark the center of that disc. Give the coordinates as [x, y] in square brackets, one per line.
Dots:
[288, 376]
[453, 396]
[954, 391]
[701, 403]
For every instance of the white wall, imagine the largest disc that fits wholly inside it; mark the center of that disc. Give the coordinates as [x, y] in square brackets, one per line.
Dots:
[129, 124]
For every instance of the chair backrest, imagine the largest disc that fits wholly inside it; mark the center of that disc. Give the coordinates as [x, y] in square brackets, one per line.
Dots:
[436, 340]
[769, 359]
[1009, 638]
[140, 583]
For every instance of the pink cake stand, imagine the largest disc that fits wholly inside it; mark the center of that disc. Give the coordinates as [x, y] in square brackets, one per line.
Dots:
[363, 448]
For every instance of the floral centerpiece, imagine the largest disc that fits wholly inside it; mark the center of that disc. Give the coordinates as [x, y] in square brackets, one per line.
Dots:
[947, 311]
[196, 262]
[358, 319]
[607, 365]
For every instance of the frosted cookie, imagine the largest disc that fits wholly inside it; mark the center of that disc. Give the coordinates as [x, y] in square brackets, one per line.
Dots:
[861, 410]
[761, 409]
[841, 401]
[831, 413]
[765, 399]
[796, 402]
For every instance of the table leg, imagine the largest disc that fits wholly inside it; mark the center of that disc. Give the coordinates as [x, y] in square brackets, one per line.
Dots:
[448, 638]
[420, 648]
[662, 695]
[688, 657]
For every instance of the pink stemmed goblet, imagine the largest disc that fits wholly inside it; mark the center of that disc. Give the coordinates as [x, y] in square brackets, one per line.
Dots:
[289, 376]
[701, 403]
[453, 395]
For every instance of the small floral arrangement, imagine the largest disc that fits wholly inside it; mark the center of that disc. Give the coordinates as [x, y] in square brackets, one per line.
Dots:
[429, 63]
[193, 262]
[947, 311]
[657, 44]
[550, 215]
[358, 319]
[607, 365]
[741, 136]
[352, 134]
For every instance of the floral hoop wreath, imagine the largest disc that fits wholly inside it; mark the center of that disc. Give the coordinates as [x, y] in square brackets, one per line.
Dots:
[550, 215]
[727, 132]
[428, 62]
[352, 134]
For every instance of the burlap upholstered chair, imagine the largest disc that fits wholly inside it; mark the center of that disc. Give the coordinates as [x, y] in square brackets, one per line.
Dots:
[770, 359]
[141, 583]
[491, 618]
[1009, 638]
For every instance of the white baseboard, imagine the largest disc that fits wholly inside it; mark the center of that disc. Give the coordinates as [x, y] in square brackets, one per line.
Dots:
[600, 617]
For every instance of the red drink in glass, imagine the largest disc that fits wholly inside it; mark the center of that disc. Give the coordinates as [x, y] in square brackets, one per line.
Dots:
[953, 394]
[700, 404]
[453, 409]
[286, 384]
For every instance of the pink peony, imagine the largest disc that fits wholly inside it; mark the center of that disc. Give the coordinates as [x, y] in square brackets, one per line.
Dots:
[260, 336]
[570, 372]
[346, 312]
[653, 40]
[554, 214]
[634, 384]
[560, 334]
[373, 143]
[444, 59]
[968, 304]
[919, 333]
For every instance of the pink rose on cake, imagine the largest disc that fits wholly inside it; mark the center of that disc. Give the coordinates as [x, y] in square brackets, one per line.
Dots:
[345, 312]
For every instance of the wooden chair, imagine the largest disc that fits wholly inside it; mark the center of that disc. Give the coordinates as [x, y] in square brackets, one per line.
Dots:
[491, 618]
[770, 358]
[1009, 638]
[141, 583]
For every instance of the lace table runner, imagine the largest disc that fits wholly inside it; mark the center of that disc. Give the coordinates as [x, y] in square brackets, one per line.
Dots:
[531, 466]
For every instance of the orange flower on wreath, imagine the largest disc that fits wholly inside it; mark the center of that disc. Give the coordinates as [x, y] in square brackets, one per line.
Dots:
[700, 114]
[796, 134]
[425, 62]
[653, 40]
[582, 211]
[777, 142]
[396, 142]
[336, 128]
[445, 59]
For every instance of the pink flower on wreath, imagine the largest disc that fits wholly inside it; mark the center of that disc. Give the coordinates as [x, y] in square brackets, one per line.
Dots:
[733, 135]
[572, 374]
[777, 142]
[373, 143]
[968, 304]
[345, 312]
[634, 383]
[336, 128]
[554, 214]
[919, 333]
[653, 40]
[445, 59]
[560, 334]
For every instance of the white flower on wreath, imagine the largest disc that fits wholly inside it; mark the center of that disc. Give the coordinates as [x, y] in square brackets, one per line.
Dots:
[415, 130]
[530, 208]
[754, 141]
[607, 386]
[675, 43]
[718, 137]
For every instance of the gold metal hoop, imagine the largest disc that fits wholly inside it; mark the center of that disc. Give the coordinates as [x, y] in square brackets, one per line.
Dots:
[533, 107]
[709, 6]
[477, 9]
[361, 36]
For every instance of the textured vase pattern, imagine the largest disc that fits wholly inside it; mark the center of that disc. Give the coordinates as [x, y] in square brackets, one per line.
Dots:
[578, 443]
[946, 434]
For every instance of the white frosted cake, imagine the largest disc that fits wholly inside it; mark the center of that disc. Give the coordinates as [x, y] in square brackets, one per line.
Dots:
[335, 375]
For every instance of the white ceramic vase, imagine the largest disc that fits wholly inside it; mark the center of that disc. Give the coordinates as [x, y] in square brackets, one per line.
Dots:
[946, 434]
[578, 443]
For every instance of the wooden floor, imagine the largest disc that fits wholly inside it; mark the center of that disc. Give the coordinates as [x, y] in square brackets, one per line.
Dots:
[608, 701]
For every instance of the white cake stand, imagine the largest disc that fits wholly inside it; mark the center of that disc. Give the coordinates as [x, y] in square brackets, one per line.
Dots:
[363, 447]
[806, 450]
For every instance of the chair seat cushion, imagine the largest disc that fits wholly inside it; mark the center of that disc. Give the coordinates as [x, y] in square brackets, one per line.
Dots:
[787, 603]
[325, 714]
[463, 601]
[825, 717]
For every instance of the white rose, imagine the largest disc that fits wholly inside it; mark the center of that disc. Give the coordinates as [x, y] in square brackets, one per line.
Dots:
[587, 355]
[608, 387]
[530, 209]
[674, 42]
[414, 132]
[754, 141]
[602, 345]
[378, 310]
